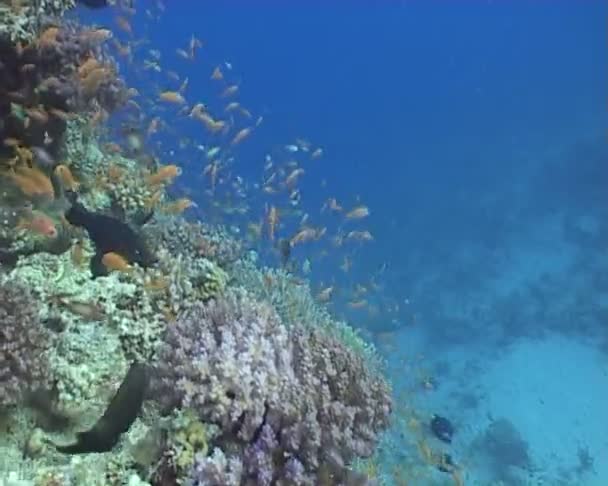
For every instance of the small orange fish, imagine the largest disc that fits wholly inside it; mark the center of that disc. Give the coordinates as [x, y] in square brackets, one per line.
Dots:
[115, 262]
[182, 53]
[174, 97]
[38, 114]
[302, 236]
[64, 174]
[115, 173]
[32, 182]
[360, 236]
[217, 74]
[179, 206]
[193, 45]
[62, 115]
[358, 213]
[151, 201]
[165, 174]
[240, 136]
[124, 25]
[89, 311]
[97, 35]
[39, 223]
[153, 126]
[357, 304]
[325, 294]
[156, 284]
[230, 91]
[273, 221]
[347, 264]
[48, 38]
[293, 177]
[332, 205]
[232, 106]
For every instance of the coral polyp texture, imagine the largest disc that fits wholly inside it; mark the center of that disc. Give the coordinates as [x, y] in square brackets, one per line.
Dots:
[24, 345]
[291, 403]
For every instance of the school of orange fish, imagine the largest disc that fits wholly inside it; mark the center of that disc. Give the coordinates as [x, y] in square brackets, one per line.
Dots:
[270, 211]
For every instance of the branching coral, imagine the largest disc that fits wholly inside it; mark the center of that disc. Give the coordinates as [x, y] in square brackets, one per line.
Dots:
[24, 344]
[236, 347]
[291, 403]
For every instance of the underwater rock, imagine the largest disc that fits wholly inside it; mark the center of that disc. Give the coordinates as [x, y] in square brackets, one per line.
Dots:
[442, 428]
[118, 417]
[110, 235]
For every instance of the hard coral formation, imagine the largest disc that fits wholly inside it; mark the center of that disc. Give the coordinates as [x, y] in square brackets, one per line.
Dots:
[291, 403]
[20, 20]
[293, 301]
[24, 344]
[195, 239]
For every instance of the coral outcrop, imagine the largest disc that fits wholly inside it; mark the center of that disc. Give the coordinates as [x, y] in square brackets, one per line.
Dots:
[24, 345]
[291, 404]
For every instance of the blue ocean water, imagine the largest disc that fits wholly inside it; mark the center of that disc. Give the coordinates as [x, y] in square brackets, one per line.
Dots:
[476, 134]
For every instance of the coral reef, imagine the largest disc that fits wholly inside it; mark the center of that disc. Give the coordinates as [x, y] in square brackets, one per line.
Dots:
[294, 393]
[254, 382]
[195, 239]
[24, 344]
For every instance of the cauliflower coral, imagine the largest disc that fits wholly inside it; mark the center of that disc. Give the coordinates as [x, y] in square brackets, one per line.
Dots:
[292, 404]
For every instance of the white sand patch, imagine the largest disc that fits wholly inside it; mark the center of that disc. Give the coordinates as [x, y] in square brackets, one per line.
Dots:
[555, 392]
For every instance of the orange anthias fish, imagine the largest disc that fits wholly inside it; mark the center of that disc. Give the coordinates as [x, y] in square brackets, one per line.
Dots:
[230, 91]
[64, 174]
[316, 154]
[174, 97]
[304, 235]
[115, 262]
[32, 182]
[325, 294]
[217, 74]
[39, 223]
[124, 25]
[240, 136]
[273, 221]
[165, 174]
[358, 213]
[360, 235]
[179, 206]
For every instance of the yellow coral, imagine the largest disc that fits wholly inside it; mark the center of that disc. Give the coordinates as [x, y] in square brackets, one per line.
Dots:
[190, 439]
